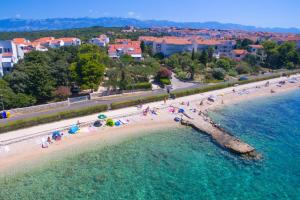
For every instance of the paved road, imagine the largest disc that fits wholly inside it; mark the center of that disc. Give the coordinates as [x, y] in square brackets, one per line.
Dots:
[108, 101]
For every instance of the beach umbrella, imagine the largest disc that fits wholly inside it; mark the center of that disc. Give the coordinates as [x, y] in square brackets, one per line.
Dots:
[73, 129]
[117, 123]
[181, 110]
[56, 135]
[102, 116]
[177, 119]
[97, 123]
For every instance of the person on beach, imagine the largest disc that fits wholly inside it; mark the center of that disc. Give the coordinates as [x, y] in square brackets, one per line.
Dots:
[49, 140]
[202, 102]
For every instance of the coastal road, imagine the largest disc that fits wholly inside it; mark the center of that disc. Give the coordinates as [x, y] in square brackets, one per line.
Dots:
[107, 100]
[111, 99]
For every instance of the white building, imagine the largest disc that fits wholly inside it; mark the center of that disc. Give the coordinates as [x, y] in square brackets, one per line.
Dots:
[125, 47]
[10, 54]
[101, 41]
[172, 45]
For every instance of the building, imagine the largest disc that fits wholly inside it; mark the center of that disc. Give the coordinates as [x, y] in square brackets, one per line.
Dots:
[70, 41]
[171, 45]
[57, 43]
[125, 46]
[10, 54]
[295, 39]
[238, 54]
[101, 41]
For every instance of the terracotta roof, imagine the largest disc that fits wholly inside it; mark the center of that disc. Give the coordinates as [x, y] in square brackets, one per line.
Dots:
[44, 39]
[133, 47]
[20, 41]
[118, 41]
[176, 41]
[293, 38]
[239, 51]
[208, 42]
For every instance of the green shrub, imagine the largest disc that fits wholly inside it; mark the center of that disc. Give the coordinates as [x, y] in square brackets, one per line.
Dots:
[135, 102]
[165, 81]
[144, 85]
[28, 122]
[110, 122]
[218, 73]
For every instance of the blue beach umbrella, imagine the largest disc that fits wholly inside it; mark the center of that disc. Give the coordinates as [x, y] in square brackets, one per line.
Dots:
[118, 123]
[181, 110]
[73, 129]
[102, 116]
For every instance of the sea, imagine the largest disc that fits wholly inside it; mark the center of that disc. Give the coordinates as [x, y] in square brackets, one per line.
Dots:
[181, 163]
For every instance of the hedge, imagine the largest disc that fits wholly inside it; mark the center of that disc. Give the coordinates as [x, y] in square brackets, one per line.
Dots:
[144, 85]
[135, 102]
[34, 121]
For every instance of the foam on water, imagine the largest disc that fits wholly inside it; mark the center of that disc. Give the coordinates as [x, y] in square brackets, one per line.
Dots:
[181, 163]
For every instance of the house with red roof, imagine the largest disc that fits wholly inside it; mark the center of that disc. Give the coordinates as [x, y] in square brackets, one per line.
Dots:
[238, 54]
[295, 39]
[125, 46]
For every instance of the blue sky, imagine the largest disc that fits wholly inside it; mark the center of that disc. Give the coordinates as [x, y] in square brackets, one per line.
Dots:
[263, 13]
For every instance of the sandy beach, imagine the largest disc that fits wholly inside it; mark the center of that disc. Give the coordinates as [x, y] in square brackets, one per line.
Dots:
[20, 149]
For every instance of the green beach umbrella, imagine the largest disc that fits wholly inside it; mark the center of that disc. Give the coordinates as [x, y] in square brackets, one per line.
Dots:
[102, 116]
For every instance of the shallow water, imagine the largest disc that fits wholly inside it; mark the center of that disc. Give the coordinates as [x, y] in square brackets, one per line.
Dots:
[181, 163]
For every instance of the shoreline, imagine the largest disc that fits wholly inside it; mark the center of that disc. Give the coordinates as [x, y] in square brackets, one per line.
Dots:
[30, 152]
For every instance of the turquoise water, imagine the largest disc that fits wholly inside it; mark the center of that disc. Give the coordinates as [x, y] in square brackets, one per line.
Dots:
[181, 163]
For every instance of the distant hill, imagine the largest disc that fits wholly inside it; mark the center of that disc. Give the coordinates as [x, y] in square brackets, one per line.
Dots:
[71, 23]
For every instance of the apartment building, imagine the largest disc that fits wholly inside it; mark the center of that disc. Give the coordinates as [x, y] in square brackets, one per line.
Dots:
[170, 45]
[101, 41]
[125, 46]
[10, 54]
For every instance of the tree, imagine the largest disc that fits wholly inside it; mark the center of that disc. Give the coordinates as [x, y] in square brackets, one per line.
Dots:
[13, 100]
[219, 73]
[224, 64]
[164, 73]
[204, 57]
[244, 44]
[279, 56]
[34, 80]
[88, 70]
[243, 68]
[251, 59]
[62, 92]
[193, 54]
[210, 52]
[143, 47]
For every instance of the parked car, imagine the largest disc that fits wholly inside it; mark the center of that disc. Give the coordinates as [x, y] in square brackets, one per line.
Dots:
[243, 78]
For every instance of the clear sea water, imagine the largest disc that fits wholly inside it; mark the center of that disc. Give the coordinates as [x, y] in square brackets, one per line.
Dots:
[181, 163]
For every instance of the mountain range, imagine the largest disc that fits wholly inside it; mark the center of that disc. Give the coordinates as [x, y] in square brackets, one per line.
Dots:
[70, 23]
